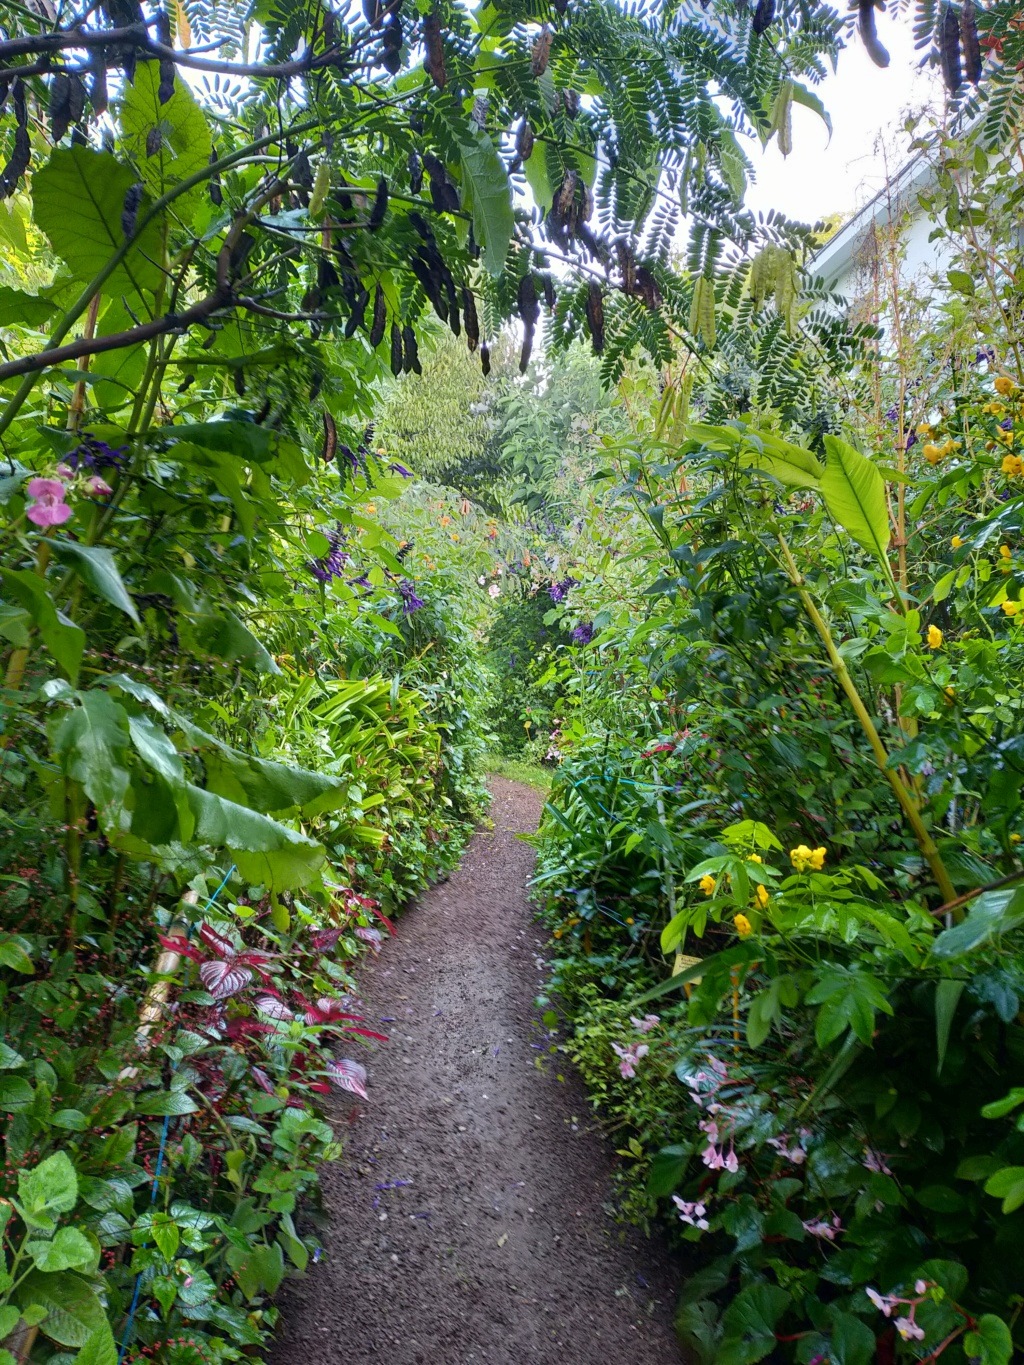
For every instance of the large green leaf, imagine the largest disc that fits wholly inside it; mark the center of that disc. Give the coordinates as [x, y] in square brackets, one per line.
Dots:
[223, 634]
[790, 464]
[994, 912]
[98, 570]
[18, 309]
[73, 1310]
[167, 142]
[489, 197]
[78, 198]
[99, 1349]
[64, 640]
[854, 493]
[91, 741]
[264, 850]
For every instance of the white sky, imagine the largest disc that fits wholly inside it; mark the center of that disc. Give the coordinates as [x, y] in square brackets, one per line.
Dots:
[868, 105]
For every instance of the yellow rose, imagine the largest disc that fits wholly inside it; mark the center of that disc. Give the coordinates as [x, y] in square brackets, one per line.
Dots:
[934, 637]
[707, 884]
[743, 926]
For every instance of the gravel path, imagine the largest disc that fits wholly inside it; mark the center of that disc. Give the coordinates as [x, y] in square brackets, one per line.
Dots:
[468, 1219]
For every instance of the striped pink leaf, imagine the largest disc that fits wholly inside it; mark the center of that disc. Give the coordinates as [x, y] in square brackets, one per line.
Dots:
[273, 1007]
[222, 979]
[373, 937]
[348, 1075]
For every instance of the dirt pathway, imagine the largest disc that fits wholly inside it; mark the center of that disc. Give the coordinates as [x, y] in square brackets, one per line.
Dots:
[467, 1216]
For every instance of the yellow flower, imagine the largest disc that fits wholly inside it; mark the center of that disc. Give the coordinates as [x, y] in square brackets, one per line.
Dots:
[754, 858]
[956, 542]
[1012, 465]
[558, 933]
[800, 857]
[762, 897]
[1014, 838]
[818, 859]
[743, 926]
[1005, 436]
[950, 694]
[934, 637]
[1006, 552]
[370, 509]
[1010, 608]
[924, 429]
[1004, 385]
[707, 884]
[932, 453]
[630, 919]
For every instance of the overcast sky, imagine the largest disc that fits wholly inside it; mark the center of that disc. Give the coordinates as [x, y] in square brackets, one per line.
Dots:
[867, 104]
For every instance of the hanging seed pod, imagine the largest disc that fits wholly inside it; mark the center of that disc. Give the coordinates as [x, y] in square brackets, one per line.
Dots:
[380, 314]
[5, 86]
[358, 314]
[321, 186]
[627, 265]
[526, 300]
[764, 13]
[328, 28]
[240, 381]
[163, 28]
[433, 62]
[524, 141]
[396, 349]
[154, 141]
[548, 285]
[76, 99]
[373, 12]
[213, 184]
[130, 208]
[527, 351]
[380, 206]
[98, 90]
[186, 383]
[330, 446]
[868, 35]
[391, 54]
[443, 194]
[541, 52]
[415, 173]
[571, 101]
[647, 288]
[972, 48]
[469, 317]
[453, 302]
[166, 87]
[595, 316]
[18, 164]
[949, 49]
[60, 101]
[485, 359]
[410, 352]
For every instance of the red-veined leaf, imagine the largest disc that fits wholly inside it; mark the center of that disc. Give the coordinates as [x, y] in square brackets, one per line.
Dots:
[324, 939]
[222, 979]
[373, 937]
[348, 1075]
[263, 1080]
[222, 946]
[181, 946]
[273, 1007]
[368, 1033]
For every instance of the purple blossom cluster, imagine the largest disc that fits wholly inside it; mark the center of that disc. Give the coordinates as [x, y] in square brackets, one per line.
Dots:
[332, 564]
[583, 634]
[410, 601]
[559, 591]
[92, 453]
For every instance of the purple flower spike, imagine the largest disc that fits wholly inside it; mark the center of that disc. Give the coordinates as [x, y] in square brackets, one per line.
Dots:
[582, 635]
[410, 602]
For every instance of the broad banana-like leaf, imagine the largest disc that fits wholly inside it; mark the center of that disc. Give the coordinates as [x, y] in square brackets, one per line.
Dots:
[854, 493]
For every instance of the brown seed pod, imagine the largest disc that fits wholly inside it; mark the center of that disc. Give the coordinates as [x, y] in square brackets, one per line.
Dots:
[18, 164]
[647, 288]
[453, 301]
[485, 359]
[98, 89]
[60, 101]
[571, 101]
[868, 35]
[76, 99]
[330, 446]
[240, 381]
[627, 265]
[166, 87]
[595, 316]
[391, 54]
[548, 285]
[410, 352]
[541, 52]
[213, 184]
[415, 173]
[380, 205]
[358, 314]
[396, 349]
[526, 300]
[469, 317]
[764, 13]
[972, 48]
[524, 141]
[949, 49]
[443, 194]
[130, 208]
[380, 314]
[154, 141]
[373, 12]
[527, 351]
[433, 62]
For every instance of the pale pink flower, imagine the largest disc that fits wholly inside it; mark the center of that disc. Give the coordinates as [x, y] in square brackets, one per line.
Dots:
[645, 1024]
[494, 590]
[875, 1161]
[732, 1160]
[909, 1330]
[629, 1056]
[48, 507]
[712, 1157]
[881, 1301]
[920, 1286]
[817, 1227]
[691, 1213]
[64, 471]
[97, 487]
[710, 1127]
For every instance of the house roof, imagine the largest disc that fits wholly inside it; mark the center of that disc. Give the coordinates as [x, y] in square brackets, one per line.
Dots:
[834, 258]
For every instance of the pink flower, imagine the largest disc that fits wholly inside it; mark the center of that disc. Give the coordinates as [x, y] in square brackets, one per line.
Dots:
[645, 1024]
[909, 1330]
[48, 507]
[97, 487]
[710, 1127]
[921, 1287]
[691, 1213]
[817, 1227]
[732, 1161]
[712, 1157]
[494, 590]
[881, 1301]
[875, 1161]
[629, 1056]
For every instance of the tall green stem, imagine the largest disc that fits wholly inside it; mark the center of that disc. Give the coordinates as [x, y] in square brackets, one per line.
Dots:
[906, 800]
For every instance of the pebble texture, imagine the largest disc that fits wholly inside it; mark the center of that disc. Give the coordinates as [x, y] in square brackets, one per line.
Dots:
[468, 1218]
